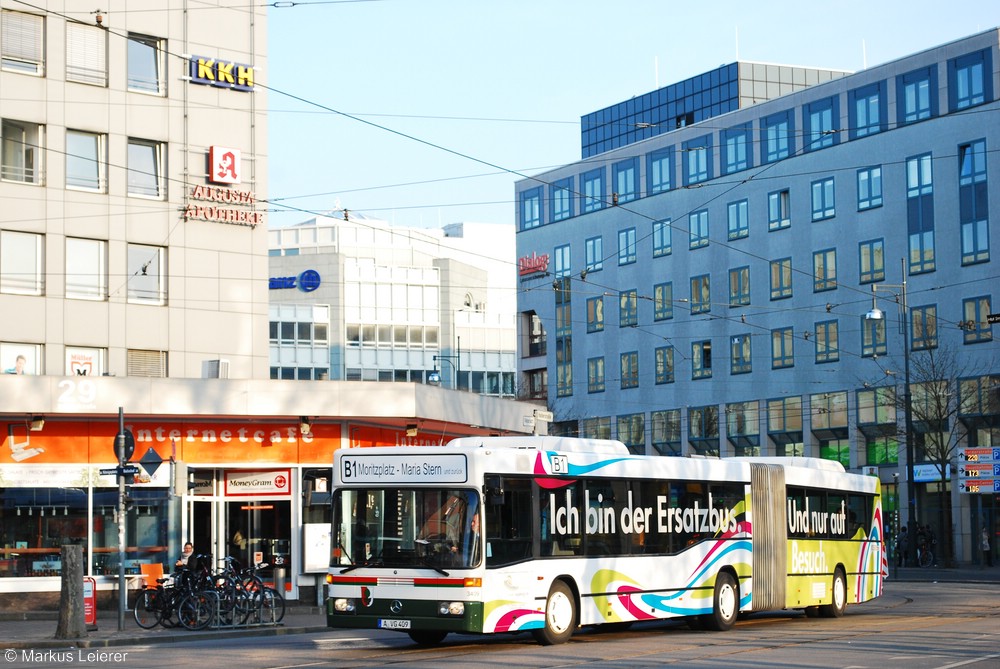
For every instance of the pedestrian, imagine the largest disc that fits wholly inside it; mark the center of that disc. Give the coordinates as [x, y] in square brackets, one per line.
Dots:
[902, 543]
[984, 545]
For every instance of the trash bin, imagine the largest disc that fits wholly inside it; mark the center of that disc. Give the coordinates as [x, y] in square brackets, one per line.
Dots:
[280, 577]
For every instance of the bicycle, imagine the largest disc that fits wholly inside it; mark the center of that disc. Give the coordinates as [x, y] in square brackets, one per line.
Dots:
[268, 605]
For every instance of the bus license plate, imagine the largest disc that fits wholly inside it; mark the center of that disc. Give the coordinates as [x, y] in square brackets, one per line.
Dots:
[387, 624]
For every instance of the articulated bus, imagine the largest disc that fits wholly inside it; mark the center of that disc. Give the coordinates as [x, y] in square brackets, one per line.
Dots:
[549, 534]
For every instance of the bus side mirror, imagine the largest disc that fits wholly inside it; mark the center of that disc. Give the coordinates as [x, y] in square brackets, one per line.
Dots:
[494, 489]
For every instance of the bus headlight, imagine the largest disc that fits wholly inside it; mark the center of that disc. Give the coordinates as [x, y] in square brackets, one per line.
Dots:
[451, 608]
[344, 605]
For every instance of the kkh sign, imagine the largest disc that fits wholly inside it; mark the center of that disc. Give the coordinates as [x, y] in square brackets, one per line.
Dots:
[222, 74]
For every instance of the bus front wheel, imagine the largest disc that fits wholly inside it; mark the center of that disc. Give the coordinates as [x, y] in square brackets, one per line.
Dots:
[725, 604]
[560, 616]
[836, 608]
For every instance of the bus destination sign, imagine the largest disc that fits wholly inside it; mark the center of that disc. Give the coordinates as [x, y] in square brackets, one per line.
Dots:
[429, 468]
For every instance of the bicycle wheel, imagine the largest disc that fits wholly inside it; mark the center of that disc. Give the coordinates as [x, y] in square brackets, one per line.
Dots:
[195, 611]
[272, 606]
[926, 558]
[147, 608]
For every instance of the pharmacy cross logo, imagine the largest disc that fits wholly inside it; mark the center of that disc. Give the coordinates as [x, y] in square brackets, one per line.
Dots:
[224, 165]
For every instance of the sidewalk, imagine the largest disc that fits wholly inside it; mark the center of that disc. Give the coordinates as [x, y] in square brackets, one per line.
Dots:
[37, 630]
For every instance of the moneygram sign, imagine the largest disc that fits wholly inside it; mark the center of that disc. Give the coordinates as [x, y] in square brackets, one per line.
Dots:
[254, 483]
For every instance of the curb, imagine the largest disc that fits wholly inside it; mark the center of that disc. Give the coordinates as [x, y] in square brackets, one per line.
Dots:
[153, 637]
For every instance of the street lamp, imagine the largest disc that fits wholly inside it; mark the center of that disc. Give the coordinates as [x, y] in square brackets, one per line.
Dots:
[435, 378]
[877, 314]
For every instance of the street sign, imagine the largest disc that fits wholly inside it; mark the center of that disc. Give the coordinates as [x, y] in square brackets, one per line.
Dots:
[992, 318]
[979, 470]
[124, 446]
[127, 470]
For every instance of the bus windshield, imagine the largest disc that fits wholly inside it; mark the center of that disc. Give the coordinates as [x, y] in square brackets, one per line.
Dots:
[407, 527]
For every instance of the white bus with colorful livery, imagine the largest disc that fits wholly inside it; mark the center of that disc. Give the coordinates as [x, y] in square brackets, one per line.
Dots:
[548, 534]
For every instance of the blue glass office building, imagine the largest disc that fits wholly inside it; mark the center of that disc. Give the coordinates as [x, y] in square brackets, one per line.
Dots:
[704, 290]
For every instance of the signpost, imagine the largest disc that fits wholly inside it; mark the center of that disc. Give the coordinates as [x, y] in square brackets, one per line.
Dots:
[124, 447]
[979, 470]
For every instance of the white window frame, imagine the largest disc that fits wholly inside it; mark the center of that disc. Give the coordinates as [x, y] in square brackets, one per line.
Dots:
[21, 151]
[21, 266]
[86, 269]
[147, 274]
[79, 162]
[145, 181]
[86, 54]
[141, 47]
[22, 43]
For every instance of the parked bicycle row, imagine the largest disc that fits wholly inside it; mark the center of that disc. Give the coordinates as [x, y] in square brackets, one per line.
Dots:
[194, 597]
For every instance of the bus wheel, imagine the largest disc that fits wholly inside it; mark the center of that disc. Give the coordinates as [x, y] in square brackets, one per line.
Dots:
[836, 608]
[725, 604]
[427, 637]
[560, 616]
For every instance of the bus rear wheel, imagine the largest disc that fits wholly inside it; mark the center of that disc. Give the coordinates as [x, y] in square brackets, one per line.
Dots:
[427, 637]
[560, 616]
[725, 604]
[836, 608]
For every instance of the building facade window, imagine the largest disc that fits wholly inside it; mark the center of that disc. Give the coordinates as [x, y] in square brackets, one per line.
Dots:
[663, 357]
[632, 432]
[531, 208]
[916, 95]
[736, 143]
[701, 294]
[659, 171]
[743, 427]
[782, 353]
[146, 65]
[820, 117]
[145, 169]
[147, 274]
[871, 261]
[22, 40]
[920, 213]
[778, 130]
[701, 359]
[739, 286]
[595, 314]
[626, 179]
[21, 150]
[698, 226]
[85, 361]
[86, 269]
[703, 430]
[628, 308]
[824, 270]
[663, 301]
[779, 210]
[781, 279]
[630, 369]
[869, 187]
[697, 160]
[86, 54]
[973, 202]
[595, 375]
[740, 360]
[561, 194]
[21, 268]
[626, 246]
[662, 238]
[593, 190]
[969, 83]
[923, 325]
[867, 112]
[561, 263]
[86, 161]
[872, 337]
[564, 366]
[977, 328]
[595, 253]
[665, 431]
[827, 341]
[823, 200]
[739, 219]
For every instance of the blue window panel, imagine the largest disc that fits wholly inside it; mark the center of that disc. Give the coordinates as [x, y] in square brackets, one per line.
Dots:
[701, 359]
[531, 208]
[663, 301]
[778, 140]
[821, 118]
[974, 312]
[595, 314]
[920, 213]
[662, 235]
[872, 337]
[740, 359]
[739, 219]
[595, 375]
[782, 348]
[698, 227]
[659, 171]
[630, 369]
[827, 341]
[824, 270]
[779, 210]
[595, 253]
[737, 150]
[739, 286]
[701, 294]
[973, 197]
[823, 200]
[869, 187]
[628, 308]
[663, 357]
[626, 246]
[781, 278]
[561, 261]
[561, 197]
[923, 326]
[697, 160]
[867, 110]
[593, 190]
[916, 95]
[970, 80]
[871, 261]
[626, 180]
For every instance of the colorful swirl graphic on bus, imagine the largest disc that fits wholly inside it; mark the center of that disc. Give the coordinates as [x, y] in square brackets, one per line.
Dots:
[507, 616]
[545, 467]
[872, 564]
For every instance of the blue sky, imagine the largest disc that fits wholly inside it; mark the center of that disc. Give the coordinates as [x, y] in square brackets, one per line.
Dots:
[425, 112]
